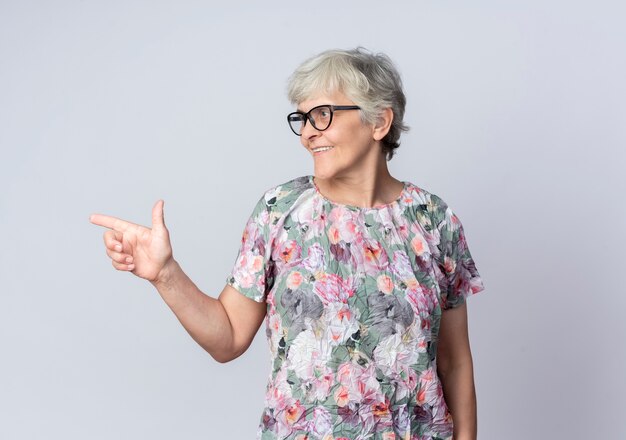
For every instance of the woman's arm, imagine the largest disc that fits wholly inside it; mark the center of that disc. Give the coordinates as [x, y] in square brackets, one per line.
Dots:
[455, 369]
[224, 327]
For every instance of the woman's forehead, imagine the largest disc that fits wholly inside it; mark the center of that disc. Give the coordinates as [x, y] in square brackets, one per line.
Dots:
[324, 97]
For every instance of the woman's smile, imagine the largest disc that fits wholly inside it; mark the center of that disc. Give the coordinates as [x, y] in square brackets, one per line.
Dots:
[319, 150]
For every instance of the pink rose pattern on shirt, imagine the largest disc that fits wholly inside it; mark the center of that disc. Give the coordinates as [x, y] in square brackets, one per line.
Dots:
[354, 300]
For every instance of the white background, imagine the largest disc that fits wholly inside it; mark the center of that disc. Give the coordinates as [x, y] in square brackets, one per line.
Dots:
[517, 114]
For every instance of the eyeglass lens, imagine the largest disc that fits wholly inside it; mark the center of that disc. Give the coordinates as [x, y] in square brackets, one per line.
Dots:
[319, 117]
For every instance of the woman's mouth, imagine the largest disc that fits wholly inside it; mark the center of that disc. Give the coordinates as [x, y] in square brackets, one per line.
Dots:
[321, 149]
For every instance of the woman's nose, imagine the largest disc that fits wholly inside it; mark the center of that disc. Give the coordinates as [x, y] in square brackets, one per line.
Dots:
[308, 131]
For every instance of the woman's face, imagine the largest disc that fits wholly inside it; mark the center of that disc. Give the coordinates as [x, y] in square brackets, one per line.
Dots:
[353, 149]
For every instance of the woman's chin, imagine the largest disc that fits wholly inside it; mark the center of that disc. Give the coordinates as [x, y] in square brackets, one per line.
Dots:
[324, 173]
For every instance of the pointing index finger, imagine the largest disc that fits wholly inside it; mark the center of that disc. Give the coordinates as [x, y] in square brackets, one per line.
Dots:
[107, 221]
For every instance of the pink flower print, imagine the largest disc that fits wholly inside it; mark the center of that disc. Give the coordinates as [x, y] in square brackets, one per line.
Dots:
[315, 258]
[418, 244]
[294, 412]
[412, 284]
[423, 241]
[422, 345]
[360, 382]
[342, 396]
[374, 257]
[380, 409]
[372, 251]
[384, 284]
[289, 251]
[343, 226]
[244, 279]
[421, 396]
[256, 263]
[246, 233]
[275, 399]
[476, 285]
[332, 288]
[278, 392]
[274, 323]
[341, 323]
[252, 237]
[401, 266]
[426, 324]
[454, 220]
[324, 380]
[294, 280]
[338, 214]
[243, 274]
[403, 231]
[289, 418]
[347, 231]
[408, 198]
[293, 417]
[449, 265]
[422, 299]
[430, 391]
[274, 330]
[411, 380]
[344, 373]
[333, 234]
[250, 233]
[416, 298]
[401, 226]
[321, 424]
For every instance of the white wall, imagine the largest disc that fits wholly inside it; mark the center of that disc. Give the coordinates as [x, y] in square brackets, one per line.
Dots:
[518, 121]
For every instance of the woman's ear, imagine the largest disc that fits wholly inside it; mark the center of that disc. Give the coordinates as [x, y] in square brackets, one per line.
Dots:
[383, 124]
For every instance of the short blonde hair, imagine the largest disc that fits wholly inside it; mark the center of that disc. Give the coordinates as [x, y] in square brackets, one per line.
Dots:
[370, 80]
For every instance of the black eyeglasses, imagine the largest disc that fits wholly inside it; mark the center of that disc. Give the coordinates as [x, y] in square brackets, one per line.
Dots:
[320, 117]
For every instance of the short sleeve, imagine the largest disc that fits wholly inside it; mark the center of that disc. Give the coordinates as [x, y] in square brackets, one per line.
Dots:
[252, 274]
[457, 275]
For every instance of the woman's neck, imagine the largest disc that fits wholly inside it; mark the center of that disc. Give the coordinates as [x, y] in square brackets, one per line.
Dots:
[363, 188]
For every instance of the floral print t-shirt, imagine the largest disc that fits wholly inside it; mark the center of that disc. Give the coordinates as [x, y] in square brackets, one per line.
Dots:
[354, 301]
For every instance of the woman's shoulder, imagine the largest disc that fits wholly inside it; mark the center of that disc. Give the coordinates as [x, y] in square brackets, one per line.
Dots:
[429, 208]
[421, 197]
[281, 197]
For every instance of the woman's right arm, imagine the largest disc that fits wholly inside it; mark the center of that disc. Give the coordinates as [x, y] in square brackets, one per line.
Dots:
[224, 327]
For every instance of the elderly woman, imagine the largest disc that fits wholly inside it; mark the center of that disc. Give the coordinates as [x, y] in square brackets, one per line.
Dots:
[361, 278]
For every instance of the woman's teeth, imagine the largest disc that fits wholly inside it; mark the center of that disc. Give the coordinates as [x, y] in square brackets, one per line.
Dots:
[317, 150]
